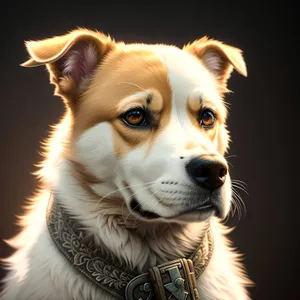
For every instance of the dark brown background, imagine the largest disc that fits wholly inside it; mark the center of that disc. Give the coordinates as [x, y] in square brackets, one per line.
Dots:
[264, 112]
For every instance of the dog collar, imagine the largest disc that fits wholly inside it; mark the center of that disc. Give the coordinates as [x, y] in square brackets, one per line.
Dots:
[172, 280]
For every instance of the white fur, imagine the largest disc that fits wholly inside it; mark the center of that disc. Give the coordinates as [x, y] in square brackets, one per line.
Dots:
[38, 271]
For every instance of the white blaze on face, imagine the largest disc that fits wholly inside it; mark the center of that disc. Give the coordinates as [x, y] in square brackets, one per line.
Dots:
[189, 81]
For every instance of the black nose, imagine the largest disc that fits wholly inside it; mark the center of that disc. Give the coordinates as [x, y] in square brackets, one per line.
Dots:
[207, 172]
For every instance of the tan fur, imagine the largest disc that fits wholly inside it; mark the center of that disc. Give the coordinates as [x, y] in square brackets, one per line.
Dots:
[101, 102]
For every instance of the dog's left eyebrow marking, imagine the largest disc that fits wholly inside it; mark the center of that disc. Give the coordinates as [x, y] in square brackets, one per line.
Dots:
[195, 100]
[149, 98]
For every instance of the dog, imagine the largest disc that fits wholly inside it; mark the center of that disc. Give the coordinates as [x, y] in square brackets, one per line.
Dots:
[137, 166]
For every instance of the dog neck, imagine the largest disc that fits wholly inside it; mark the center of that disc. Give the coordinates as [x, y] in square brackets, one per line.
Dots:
[116, 231]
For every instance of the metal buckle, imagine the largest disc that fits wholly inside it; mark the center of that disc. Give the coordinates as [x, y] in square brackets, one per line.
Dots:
[174, 280]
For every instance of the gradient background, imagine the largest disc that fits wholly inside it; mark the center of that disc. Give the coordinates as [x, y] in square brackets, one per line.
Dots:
[264, 112]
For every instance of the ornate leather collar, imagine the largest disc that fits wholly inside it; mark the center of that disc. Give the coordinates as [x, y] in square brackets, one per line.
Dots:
[172, 280]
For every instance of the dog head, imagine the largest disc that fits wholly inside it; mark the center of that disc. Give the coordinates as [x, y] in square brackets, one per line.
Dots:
[149, 120]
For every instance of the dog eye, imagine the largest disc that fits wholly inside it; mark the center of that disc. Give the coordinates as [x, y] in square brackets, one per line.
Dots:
[135, 117]
[207, 118]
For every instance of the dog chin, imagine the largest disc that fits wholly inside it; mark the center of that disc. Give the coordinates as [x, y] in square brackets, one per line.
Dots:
[189, 217]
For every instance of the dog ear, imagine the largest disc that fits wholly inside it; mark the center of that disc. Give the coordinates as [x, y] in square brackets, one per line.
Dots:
[218, 58]
[71, 60]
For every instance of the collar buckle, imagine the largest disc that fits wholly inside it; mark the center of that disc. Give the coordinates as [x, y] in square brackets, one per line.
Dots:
[174, 280]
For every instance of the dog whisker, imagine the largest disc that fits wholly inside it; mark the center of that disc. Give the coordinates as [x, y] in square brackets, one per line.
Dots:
[240, 185]
[234, 205]
[239, 203]
[240, 182]
[240, 188]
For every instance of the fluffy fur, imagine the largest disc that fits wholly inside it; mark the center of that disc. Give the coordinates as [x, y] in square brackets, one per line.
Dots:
[96, 164]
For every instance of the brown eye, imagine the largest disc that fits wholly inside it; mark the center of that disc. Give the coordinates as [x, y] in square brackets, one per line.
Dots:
[207, 118]
[135, 117]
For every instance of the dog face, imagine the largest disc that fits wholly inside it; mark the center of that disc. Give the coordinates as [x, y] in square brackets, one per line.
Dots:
[148, 120]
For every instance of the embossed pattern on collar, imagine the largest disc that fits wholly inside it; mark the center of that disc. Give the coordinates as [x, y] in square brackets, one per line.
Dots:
[106, 272]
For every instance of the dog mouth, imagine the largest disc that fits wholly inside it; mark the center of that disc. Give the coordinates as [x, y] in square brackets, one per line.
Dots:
[199, 212]
[137, 208]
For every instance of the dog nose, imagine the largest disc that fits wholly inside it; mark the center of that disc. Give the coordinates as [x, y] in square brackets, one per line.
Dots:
[208, 173]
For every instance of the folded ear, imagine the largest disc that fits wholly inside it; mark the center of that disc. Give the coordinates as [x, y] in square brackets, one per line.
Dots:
[71, 59]
[218, 58]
